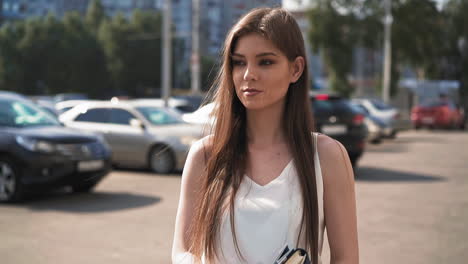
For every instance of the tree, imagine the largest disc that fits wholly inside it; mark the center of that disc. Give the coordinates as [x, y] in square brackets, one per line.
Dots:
[339, 26]
[133, 51]
[334, 34]
[85, 60]
[453, 62]
[95, 15]
[11, 66]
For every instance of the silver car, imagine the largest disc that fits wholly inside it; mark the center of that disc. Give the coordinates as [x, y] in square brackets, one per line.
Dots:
[140, 134]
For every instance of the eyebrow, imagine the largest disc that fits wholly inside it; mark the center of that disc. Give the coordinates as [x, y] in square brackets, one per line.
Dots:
[258, 55]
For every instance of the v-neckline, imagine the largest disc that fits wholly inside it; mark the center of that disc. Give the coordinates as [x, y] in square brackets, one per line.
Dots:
[272, 181]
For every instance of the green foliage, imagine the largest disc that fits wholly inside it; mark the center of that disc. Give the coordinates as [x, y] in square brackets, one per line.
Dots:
[95, 15]
[133, 51]
[337, 27]
[11, 70]
[95, 55]
[455, 46]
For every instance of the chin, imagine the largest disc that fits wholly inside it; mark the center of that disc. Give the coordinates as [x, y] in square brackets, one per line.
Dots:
[255, 106]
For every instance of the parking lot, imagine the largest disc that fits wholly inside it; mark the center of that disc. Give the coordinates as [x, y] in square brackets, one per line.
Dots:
[411, 196]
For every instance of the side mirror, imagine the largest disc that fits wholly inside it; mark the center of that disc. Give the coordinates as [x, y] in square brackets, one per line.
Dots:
[137, 123]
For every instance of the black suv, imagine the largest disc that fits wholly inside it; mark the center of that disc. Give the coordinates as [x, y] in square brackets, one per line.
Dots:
[335, 117]
[37, 152]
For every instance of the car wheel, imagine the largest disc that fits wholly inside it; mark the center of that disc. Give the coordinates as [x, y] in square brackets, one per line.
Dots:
[462, 125]
[393, 134]
[10, 185]
[84, 187]
[161, 160]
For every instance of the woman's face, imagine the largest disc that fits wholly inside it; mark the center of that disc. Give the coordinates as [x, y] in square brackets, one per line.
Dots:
[261, 73]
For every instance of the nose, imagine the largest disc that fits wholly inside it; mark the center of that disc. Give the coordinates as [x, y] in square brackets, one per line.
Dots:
[250, 74]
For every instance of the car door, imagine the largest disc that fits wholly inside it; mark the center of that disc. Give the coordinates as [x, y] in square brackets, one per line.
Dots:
[130, 143]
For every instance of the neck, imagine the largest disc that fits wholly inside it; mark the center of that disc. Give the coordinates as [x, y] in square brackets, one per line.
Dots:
[265, 126]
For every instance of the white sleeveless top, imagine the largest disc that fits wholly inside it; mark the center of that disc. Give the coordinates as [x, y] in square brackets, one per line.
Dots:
[268, 217]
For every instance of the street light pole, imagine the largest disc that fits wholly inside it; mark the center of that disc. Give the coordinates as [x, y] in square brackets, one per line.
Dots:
[195, 60]
[388, 20]
[166, 51]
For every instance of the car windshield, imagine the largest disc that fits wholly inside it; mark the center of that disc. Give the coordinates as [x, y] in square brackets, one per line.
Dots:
[159, 116]
[15, 113]
[434, 104]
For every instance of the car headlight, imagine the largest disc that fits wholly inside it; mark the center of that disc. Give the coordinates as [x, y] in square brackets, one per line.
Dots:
[188, 140]
[35, 145]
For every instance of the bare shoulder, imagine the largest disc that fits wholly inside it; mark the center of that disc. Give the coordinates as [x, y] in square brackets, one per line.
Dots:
[334, 160]
[330, 148]
[199, 152]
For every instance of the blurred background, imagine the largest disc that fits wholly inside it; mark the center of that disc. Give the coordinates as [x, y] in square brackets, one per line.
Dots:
[100, 101]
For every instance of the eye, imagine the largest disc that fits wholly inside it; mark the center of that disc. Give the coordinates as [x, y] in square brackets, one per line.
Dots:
[266, 62]
[238, 63]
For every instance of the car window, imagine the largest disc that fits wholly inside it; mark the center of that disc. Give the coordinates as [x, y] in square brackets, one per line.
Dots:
[22, 114]
[360, 108]
[96, 115]
[185, 108]
[63, 110]
[435, 104]
[159, 116]
[121, 116]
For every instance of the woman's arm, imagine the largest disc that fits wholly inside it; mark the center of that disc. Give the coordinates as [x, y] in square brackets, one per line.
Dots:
[339, 201]
[190, 187]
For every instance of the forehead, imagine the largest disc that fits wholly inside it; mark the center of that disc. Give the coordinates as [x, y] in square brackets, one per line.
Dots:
[254, 43]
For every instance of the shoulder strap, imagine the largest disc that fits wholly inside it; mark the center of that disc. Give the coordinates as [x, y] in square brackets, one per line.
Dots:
[315, 134]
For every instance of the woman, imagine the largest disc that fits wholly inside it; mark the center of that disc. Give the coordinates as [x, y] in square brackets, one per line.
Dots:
[262, 180]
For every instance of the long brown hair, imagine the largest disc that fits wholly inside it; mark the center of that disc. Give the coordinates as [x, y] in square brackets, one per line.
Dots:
[226, 161]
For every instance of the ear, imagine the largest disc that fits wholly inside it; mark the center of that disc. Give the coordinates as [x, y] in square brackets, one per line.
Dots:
[297, 68]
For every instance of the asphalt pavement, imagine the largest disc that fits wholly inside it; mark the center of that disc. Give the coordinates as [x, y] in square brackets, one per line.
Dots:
[412, 199]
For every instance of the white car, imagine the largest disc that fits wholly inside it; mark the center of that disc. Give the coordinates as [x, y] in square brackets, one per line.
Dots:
[64, 106]
[386, 113]
[140, 134]
[181, 105]
[202, 116]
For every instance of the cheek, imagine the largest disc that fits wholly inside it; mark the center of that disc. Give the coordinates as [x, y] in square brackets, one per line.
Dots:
[236, 77]
[280, 80]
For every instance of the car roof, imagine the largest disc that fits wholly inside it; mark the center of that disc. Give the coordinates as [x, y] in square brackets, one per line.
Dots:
[12, 95]
[72, 103]
[121, 104]
[158, 101]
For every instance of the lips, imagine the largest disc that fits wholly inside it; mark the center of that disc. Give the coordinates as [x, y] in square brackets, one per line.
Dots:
[251, 91]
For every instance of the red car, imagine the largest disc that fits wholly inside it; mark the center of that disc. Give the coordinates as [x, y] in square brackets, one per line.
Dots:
[437, 114]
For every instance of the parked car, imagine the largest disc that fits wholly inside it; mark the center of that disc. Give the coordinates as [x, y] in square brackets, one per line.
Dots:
[201, 116]
[376, 128]
[194, 101]
[386, 113]
[139, 133]
[45, 102]
[36, 152]
[335, 117]
[181, 105]
[437, 114]
[62, 107]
